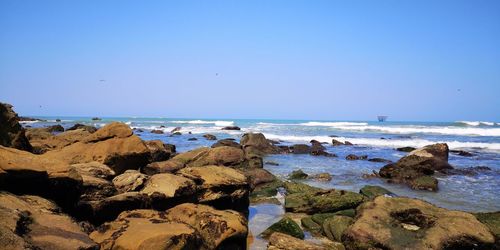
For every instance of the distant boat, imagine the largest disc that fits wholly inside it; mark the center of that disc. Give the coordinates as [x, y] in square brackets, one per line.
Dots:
[382, 118]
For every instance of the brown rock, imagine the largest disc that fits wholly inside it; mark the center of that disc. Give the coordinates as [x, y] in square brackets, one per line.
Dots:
[281, 241]
[221, 187]
[226, 142]
[12, 134]
[130, 180]
[167, 190]
[404, 223]
[170, 166]
[259, 142]
[159, 151]
[31, 222]
[219, 229]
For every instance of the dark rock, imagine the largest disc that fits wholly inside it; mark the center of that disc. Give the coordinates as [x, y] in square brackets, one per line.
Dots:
[231, 128]
[352, 157]
[169, 166]
[335, 226]
[337, 143]
[96, 119]
[380, 160]
[462, 153]
[55, 128]
[348, 143]
[416, 168]
[193, 139]
[258, 176]
[177, 133]
[159, 151]
[405, 149]
[470, 171]
[258, 143]
[322, 201]
[319, 150]
[87, 128]
[12, 134]
[210, 137]
[272, 163]
[156, 131]
[176, 129]
[301, 149]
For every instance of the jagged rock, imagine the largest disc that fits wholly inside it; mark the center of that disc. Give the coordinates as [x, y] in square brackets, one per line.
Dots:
[146, 229]
[226, 142]
[159, 151]
[31, 222]
[415, 168]
[219, 229]
[374, 191]
[286, 226]
[130, 180]
[298, 174]
[221, 187]
[259, 143]
[348, 143]
[114, 145]
[167, 190]
[210, 137]
[404, 223]
[12, 134]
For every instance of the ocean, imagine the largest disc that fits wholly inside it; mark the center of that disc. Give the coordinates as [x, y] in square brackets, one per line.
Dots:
[376, 139]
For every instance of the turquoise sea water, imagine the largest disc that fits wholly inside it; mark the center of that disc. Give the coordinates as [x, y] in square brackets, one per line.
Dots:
[376, 139]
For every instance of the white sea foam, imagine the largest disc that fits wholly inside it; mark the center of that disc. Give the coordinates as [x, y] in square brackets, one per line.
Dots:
[216, 123]
[387, 143]
[478, 123]
[449, 130]
[333, 124]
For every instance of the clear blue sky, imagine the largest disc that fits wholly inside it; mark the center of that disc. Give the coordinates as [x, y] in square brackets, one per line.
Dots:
[331, 60]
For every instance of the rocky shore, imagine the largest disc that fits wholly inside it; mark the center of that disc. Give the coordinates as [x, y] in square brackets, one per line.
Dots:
[106, 188]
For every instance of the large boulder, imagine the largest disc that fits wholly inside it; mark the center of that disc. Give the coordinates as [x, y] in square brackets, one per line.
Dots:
[146, 229]
[22, 172]
[12, 134]
[417, 164]
[167, 190]
[114, 145]
[31, 222]
[43, 140]
[219, 229]
[168, 166]
[404, 223]
[259, 143]
[221, 187]
[159, 151]
[322, 201]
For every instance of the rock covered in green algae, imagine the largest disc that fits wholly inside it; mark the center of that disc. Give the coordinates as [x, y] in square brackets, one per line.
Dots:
[373, 191]
[405, 223]
[311, 226]
[322, 201]
[266, 192]
[321, 217]
[286, 226]
[335, 226]
[293, 187]
[298, 174]
[279, 241]
[492, 221]
[425, 183]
